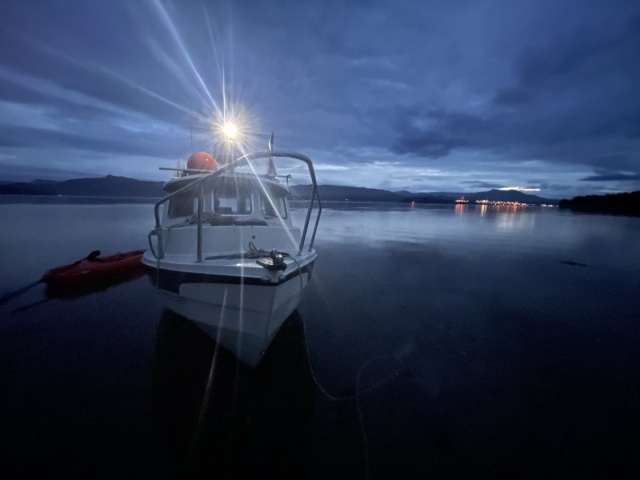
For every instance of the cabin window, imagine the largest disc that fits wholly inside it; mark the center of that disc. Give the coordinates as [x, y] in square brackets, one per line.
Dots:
[267, 207]
[181, 205]
[232, 199]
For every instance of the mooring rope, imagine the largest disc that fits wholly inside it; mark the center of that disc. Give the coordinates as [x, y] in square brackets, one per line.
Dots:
[7, 297]
[255, 252]
[358, 394]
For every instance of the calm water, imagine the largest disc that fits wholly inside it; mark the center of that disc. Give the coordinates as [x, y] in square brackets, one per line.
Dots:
[434, 342]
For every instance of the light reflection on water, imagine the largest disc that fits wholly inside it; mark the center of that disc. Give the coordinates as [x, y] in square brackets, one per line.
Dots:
[37, 235]
[599, 239]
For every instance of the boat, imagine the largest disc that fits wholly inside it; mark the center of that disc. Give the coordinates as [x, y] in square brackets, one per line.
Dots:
[225, 253]
[95, 269]
[462, 200]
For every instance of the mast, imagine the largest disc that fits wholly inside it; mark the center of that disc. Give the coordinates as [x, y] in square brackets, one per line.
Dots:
[271, 169]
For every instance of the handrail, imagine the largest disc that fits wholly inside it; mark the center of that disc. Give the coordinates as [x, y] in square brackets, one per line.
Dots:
[230, 166]
[200, 209]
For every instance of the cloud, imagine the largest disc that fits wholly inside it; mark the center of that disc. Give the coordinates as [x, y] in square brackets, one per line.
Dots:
[544, 90]
[14, 92]
[122, 142]
[584, 51]
[327, 167]
[512, 96]
[480, 184]
[575, 100]
[625, 177]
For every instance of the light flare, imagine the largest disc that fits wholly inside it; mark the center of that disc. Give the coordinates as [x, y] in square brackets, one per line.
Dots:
[94, 67]
[164, 15]
[230, 130]
[294, 242]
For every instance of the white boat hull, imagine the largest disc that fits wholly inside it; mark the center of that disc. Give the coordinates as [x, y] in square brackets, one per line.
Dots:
[243, 318]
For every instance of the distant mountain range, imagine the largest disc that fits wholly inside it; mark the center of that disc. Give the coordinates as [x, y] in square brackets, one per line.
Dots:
[359, 194]
[109, 186]
[113, 186]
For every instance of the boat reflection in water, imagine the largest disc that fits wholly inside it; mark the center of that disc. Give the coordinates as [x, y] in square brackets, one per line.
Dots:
[217, 416]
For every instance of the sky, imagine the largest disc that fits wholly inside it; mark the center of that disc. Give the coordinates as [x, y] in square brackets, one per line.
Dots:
[419, 95]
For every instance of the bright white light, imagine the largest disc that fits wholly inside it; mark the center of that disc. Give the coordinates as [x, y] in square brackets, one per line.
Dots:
[520, 189]
[230, 130]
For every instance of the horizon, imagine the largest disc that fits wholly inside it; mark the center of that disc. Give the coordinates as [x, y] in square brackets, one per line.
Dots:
[478, 190]
[432, 192]
[538, 97]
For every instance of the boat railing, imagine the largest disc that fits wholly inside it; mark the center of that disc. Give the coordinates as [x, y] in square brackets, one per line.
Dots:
[201, 182]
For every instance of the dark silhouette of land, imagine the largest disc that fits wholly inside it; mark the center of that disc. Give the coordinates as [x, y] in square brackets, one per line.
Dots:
[619, 204]
[114, 186]
[359, 194]
[109, 186]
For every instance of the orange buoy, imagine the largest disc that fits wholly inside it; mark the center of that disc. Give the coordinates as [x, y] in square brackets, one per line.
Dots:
[202, 161]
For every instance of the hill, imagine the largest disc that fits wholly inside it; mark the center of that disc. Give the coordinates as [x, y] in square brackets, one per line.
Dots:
[619, 203]
[109, 186]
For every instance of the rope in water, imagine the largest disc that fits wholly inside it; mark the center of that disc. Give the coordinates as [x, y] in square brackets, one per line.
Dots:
[7, 297]
[322, 389]
[356, 396]
[255, 252]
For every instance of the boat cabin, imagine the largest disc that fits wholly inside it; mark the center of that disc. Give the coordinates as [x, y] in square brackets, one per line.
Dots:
[239, 199]
[240, 211]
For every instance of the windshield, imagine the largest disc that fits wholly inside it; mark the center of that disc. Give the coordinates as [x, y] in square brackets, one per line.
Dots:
[231, 199]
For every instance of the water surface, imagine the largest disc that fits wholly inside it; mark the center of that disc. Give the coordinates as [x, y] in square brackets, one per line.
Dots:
[438, 341]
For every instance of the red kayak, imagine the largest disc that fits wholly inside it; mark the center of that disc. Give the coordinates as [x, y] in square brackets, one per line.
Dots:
[95, 268]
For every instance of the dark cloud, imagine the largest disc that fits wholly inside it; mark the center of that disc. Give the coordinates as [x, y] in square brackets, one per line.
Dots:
[584, 50]
[625, 177]
[575, 100]
[62, 107]
[14, 92]
[436, 133]
[513, 96]
[480, 184]
[595, 51]
[119, 142]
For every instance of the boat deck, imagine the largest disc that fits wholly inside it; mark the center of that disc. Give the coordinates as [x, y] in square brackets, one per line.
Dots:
[230, 265]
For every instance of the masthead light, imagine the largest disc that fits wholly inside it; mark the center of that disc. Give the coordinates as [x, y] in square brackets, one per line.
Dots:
[230, 130]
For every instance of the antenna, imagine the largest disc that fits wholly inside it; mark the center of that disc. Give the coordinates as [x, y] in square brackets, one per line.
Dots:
[271, 169]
